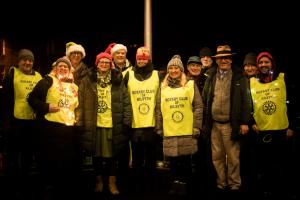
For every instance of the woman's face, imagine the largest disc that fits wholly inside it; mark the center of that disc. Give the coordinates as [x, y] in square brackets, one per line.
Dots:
[75, 57]
[174, 71]
[62, 70]
[264, 65]
[250, 70]
[103, 65]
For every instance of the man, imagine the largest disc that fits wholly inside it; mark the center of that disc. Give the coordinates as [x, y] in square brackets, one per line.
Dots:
[226, 115]
[275, 124]
[19, 116]
[207, 62]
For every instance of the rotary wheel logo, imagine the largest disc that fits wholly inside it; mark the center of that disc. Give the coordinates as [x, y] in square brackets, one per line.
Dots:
[144, 108]
[102, 107]
[177, 116]
[63, 103]
[269, 107]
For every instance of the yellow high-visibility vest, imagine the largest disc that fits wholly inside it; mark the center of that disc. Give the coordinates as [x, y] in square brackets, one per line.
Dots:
[65, 96]
[269, 102]
[177, 110]
[23, 85]
[143, 99]
[104, 114]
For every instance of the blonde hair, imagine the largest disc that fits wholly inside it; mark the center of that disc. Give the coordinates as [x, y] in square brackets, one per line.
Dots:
[183, 80]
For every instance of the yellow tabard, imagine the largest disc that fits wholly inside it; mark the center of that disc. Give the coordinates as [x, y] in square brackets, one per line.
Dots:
[23, 85]
[269, 102]
[143, 99]
[104, 115]
[177, 110]
[65, 96]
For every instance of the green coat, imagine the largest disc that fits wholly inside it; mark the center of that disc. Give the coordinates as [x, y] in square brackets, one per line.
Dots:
[87, 112]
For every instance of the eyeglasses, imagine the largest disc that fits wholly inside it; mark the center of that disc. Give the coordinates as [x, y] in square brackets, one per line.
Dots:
[103, 62]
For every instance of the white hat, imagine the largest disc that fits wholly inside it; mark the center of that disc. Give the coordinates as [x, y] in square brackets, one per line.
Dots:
[74, 47]
[118, 47]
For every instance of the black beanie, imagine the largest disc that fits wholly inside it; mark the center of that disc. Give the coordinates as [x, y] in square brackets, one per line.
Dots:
[25, 54]
[205, 51]
[250, 59]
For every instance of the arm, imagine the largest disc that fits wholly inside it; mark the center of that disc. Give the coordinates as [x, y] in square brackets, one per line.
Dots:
[197, 110]
[37, 98]
[127, 107]
[158, 114]
[246, 106]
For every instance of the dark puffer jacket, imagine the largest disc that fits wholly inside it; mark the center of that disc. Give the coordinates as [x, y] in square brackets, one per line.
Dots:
[87, 111]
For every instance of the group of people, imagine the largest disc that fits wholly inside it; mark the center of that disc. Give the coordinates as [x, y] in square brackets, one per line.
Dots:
[212, 117]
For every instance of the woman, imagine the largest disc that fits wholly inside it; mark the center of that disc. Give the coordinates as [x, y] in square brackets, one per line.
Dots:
[55, 98]
[105, 115]
[179, 120]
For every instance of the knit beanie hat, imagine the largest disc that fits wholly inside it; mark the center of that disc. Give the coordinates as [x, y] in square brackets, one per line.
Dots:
[25, 54]
[117, 47]
[143, 53]
[250, 59]
[65, 60]
[72, 47]
[265, 54]
[175, 61]
[205, 51]
[103, 55]
[194, 59]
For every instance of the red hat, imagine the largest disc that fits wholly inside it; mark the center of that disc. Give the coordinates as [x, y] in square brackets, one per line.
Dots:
[143, 53]
[104, 55]
[109, 47]
[268, 55]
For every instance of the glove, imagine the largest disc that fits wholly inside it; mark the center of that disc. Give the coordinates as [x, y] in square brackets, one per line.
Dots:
[196, 133]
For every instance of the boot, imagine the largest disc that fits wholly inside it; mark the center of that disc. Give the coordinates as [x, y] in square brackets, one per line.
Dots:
[99, 184]
[112, 185]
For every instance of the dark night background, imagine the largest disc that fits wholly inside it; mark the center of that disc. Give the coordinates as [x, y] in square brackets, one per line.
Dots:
[179, 27]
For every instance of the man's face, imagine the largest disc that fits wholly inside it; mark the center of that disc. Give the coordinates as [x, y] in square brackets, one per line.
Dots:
[194, 69]
[224, 62]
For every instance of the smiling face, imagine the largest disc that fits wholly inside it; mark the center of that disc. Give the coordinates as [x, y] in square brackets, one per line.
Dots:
[224, 62]
[75, 58]
[119, 57]
[194, 69]
[103, 65]
[264, 65]
[62, 70]
[174, 71]
[26, 65]
[250, 70]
